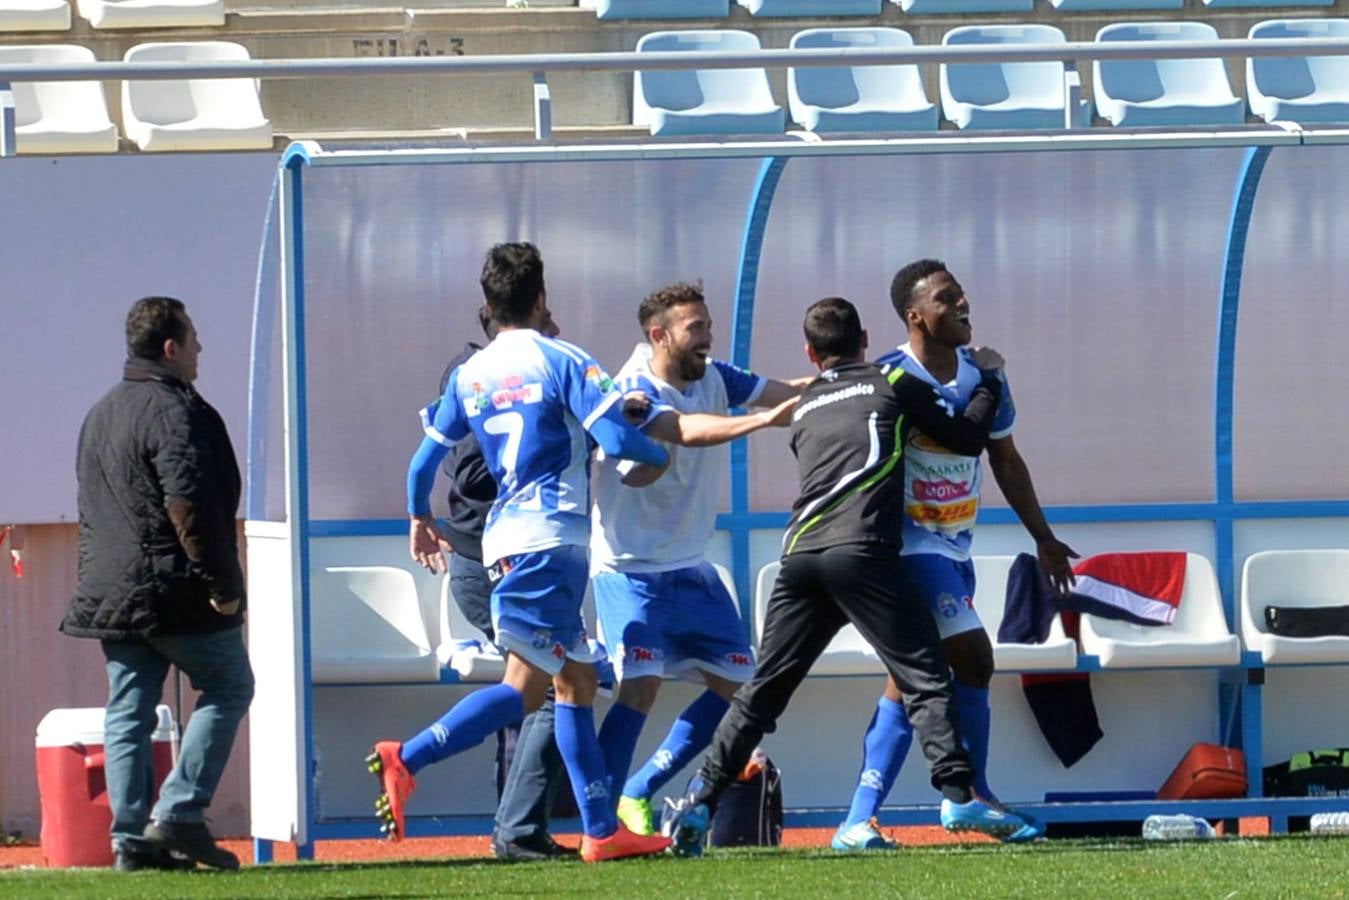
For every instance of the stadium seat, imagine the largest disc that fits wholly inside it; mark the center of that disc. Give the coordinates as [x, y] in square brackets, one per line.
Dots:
[34, 15]
[1093, 5]
[847, 654]
[947, 7]
[858, 98]
[660, 9]
[462, 647]
[704, 101]
[153, 13]
[1167, 91]
[1057, 653]
[1232, 4]
[59, 116]
[196, 114]
[1199, 636]
[366, 627]
[1298, 578]
[1005, 95]
[785, 8]
[1303, 89]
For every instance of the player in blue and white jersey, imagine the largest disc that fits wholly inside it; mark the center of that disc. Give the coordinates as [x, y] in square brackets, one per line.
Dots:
[662, 608]
[533, 403]
[941, 499]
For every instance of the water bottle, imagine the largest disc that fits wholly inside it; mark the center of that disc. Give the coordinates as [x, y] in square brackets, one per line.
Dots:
[1330, 823]
[1177, 828]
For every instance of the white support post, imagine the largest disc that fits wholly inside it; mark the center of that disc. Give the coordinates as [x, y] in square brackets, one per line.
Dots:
[8, 137]
[543, 108]
[1072, 95]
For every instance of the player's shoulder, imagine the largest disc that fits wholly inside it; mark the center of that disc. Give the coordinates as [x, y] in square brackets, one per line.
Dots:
[896, 356]
[562, 350]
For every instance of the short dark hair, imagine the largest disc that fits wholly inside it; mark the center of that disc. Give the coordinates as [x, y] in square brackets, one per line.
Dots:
[661, 301]
[512, 280]
[907, 278]
[151, 322]
[833, 328]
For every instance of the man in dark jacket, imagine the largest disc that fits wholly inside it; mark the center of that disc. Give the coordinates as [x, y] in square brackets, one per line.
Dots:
[160, 584]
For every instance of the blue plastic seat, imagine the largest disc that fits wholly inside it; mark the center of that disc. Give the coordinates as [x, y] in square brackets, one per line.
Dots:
[1299, 88]
[1005, 95]
[1092, 5]
[661, 9]
[858, 98]
[785, 8]
[946, 7]
[1230, 4]
[704, 101]
[1167, 91]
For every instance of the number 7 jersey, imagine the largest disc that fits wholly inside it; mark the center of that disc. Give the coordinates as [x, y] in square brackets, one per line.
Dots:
[529, 400]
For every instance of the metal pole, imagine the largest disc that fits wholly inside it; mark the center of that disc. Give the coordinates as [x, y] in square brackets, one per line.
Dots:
[543, 108]
[9, 139]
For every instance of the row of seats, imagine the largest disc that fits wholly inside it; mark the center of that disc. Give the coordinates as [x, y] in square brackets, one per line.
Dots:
[196, 114]
[375, 624]
[720, 9]
[989, 96]
[54, 15]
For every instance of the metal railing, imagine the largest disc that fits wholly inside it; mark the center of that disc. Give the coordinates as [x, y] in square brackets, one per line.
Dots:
[539, 65]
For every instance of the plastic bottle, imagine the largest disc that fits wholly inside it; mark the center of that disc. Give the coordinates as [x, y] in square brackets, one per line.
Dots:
[1330, 823]
[1177, 828]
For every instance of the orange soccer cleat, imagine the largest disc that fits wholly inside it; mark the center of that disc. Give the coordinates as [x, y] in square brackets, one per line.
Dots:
[396, 785]
[622, 843]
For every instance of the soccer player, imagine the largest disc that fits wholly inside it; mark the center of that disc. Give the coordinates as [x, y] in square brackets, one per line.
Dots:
[941, 501]
[533, 403]
[841, 564]
[661, 606]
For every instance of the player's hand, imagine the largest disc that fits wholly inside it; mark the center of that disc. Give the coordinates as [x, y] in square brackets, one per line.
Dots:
[428, 546]
[643, 474]
[780, 415]
[1054, 557]
[636, 407]
[225, 607]
[987, 358]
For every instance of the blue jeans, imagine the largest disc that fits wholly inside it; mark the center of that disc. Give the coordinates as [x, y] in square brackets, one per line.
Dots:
[217, 666]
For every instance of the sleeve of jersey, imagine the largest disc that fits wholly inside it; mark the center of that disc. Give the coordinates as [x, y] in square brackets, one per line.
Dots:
[966, 434]
[742, 387]
[443, 423]
[594, 399]
[640, 384]
[1006, 416]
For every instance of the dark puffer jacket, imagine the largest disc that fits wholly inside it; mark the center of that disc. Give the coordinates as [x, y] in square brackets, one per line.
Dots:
[158, 493]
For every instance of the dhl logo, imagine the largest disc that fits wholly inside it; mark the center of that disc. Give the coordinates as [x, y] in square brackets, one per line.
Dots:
[943, 515]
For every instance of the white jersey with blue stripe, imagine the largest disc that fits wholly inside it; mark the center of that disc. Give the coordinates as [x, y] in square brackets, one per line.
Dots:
[667, 525]
[528, 399]
[941, 488]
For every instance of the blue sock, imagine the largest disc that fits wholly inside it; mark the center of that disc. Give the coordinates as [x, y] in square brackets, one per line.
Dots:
[618, 741]
[975, 721]
[467, 724]
[689, 736]
[574, 727]
[883, 751]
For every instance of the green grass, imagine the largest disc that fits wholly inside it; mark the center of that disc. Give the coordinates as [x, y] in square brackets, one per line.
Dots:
[1298, 867]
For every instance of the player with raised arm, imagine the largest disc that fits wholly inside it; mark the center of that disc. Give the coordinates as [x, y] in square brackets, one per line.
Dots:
[662, 608]
[841, 564]
[533, 403]
[941, 502]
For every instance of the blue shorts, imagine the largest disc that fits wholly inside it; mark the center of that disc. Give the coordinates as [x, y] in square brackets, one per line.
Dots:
[677, 622]
[948, 587]
[536, 608]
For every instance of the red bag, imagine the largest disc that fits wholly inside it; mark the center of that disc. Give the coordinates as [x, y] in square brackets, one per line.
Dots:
[1208, 772]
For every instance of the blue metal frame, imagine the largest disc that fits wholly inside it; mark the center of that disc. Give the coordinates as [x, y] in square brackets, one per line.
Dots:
[1241, 682]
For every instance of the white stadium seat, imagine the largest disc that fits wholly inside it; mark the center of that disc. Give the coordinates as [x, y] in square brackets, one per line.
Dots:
[1298, 578]
[59, 116]
[366, 626]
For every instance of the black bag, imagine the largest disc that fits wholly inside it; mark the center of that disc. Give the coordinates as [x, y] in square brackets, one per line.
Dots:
[749, 812]
[1315, 773]
[1307, 621]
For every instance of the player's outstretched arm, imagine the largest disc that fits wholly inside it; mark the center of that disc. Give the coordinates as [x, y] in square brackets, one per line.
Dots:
[442, 425]
[1013, 478]
[776, 392]
[966, 434]
[707, 430]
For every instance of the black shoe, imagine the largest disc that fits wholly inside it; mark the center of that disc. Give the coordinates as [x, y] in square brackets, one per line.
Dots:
[138, 859]
[531, 849]
[191, 840]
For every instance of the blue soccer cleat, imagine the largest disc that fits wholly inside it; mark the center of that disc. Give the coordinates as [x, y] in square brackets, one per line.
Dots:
[979, 816]
[686, 823]
[1032, 830]
[862, 836]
